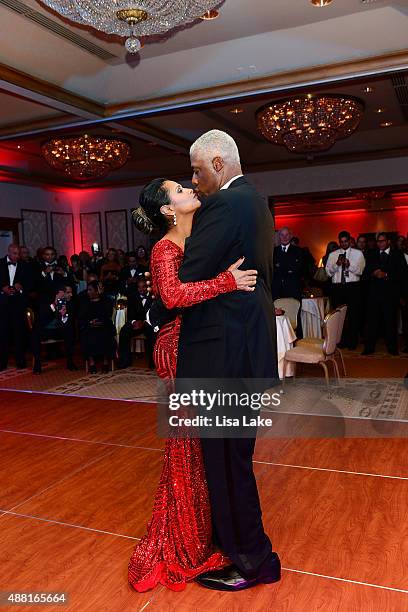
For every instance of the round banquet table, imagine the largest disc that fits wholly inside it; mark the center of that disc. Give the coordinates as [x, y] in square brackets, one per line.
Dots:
[285, 338]
[312, 316]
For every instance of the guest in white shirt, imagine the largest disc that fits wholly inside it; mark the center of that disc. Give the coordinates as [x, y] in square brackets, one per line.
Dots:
[345, 267]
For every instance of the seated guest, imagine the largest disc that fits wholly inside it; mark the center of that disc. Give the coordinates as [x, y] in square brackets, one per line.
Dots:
[15, 285]
[121, 257]
[24, 254]
[138, 304]
[345, 267]
[386, 274]
[287, 263]
[142, 259]
[96, 329]
[109, 275]
[130, 274]
[55, 321]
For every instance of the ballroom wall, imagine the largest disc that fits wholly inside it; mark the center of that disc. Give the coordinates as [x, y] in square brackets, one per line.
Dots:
[71, 217]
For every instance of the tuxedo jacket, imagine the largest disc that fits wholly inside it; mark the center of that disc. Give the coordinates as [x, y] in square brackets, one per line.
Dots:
[22, 276]
[287, 272]
[136, 311]
[395, 285]
[234, 334]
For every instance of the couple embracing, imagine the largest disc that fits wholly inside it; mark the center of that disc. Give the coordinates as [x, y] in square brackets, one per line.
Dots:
[206, 523]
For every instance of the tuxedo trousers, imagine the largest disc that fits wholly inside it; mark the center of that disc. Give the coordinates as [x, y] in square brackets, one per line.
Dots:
[235, 507]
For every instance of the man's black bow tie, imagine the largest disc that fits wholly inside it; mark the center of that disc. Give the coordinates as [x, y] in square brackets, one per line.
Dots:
[11, 263]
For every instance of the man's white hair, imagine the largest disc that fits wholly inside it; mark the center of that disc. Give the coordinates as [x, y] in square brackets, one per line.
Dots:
[216, 143]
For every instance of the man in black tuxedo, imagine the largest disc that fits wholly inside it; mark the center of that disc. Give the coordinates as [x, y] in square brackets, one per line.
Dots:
[138, 304]
[230, 338]
[50, 276]
[386, 276]
[287, 268]
[55, 320]
[15, 284]
[130, 274]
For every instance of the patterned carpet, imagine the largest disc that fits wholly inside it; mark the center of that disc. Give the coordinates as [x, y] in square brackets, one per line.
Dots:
[376, 398]
[370, 391]
[134, 383]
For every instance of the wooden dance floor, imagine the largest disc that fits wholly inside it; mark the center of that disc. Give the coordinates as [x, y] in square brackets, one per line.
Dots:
[77, 482]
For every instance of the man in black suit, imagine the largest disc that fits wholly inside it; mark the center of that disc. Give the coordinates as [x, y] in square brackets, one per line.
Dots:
[55, 320]
[230, 338]
[138, 304]
[50, 276]
[130, 274]
[386, 277]
[15, 284]
[287, 268]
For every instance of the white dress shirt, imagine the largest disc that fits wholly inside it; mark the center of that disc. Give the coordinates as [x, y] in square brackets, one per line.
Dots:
[234, 178]
[355, 270]
[11, 271]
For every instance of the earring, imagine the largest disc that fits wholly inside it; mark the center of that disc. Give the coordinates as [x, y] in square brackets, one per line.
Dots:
[174, 219]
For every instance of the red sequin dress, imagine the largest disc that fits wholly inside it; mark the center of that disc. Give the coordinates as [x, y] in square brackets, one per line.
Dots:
[177, 546]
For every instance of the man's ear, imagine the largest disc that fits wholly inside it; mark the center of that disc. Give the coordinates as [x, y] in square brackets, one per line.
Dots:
[218, 164]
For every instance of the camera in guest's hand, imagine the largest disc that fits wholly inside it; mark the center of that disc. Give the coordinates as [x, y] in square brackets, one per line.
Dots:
[61, 302]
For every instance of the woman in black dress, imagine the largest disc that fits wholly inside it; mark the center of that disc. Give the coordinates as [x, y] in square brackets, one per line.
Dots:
[97, 331]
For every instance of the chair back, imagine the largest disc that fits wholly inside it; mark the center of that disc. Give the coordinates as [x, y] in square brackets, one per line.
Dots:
[343, 311]
[330, 328]
[291, 308]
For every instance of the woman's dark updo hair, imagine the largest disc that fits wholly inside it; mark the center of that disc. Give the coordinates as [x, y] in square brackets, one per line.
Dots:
[147, 217]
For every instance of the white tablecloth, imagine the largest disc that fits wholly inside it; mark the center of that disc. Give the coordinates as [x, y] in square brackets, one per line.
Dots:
[285, 339]
[312, 316]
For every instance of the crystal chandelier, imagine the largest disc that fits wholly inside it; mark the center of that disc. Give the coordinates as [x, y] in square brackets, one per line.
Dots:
[310, 123]
[86, 157]
[132, 18]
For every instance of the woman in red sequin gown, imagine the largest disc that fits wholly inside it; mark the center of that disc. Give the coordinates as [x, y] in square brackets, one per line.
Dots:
[177, 546]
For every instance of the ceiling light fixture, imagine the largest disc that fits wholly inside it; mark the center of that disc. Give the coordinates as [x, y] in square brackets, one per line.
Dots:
[210, 15]
[236, 110]
[379, 110]
[368, 89]
[132, 19]
[386, 124]
[307, 124]
[86, 157]
[320, 3]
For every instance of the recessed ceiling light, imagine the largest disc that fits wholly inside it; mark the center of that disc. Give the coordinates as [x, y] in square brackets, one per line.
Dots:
[209, 15]
[380, 109]
[386, 124]
[320, 2]
[18, 146]
[236, 110]
[368, 89]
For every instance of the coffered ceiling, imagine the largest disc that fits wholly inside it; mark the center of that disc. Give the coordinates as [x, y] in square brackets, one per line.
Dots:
[56, 76]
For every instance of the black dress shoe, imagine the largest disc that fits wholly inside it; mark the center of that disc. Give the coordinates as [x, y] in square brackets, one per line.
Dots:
[367, 352]
[37, 369]
[393, 352]
[22, 365]
[230, 579]
[92, 369]
[105, 369]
